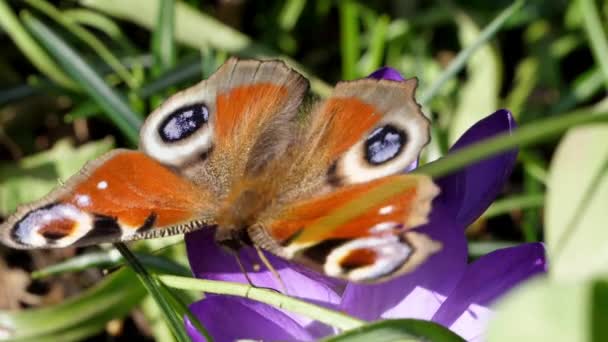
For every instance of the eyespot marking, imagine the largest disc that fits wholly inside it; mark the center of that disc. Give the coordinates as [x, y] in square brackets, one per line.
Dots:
[56, 224]
[358, 258]
[183, 122]
[368, 258]
[384, 144]
[57, 229]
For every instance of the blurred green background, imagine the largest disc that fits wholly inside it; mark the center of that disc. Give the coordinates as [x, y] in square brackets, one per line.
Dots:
[78, 77]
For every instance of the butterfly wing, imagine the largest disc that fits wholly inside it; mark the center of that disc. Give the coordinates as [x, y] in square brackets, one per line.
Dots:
[358, 223]
[228, 126]
[194, 147]
[123, 195]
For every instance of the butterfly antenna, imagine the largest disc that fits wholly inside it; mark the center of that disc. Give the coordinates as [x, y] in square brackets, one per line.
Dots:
[243, 270]
[269, 266]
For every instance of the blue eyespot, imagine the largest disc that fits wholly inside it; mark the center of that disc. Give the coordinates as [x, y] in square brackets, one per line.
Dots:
[183, 122]
[384, 144]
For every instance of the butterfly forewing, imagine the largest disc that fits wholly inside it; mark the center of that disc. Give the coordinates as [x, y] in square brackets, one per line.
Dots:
[123, 195]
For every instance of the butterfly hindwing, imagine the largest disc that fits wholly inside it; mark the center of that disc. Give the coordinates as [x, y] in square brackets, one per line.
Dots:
[361, 232]
[123, 195]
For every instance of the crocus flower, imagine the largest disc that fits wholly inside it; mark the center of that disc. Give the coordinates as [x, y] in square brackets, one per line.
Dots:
[444, 289]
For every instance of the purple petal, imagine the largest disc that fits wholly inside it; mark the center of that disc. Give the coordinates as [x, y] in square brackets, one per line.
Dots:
[470, 191]
[232, 318]
[489, 277]
[210, 261]
[387, 73]
[419, 294]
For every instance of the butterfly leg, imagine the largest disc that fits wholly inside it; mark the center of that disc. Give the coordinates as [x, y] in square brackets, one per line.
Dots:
[272, 270]
[243, 270]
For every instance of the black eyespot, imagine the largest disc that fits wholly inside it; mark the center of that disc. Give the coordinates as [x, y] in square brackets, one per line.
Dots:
[183, 122]
[384, 144]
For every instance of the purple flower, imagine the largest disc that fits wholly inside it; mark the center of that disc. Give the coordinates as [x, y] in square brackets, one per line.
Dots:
[445, 289]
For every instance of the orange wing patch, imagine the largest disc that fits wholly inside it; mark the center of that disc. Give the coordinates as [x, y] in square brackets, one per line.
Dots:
[308, 222]
[131, 186]
[121, 196]
[347, 119]
[247, 106]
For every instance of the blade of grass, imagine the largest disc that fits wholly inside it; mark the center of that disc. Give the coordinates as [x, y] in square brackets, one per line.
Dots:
[509, 204]
[290, 13]
[109, 100]
[271, 297]
[153, 288]
[163, 45]
[534, 132]
[402, 330]
[463, 56]
[110, 259]
[190, 22]
[584, 86]
[113, 297]
[478, 94]
[99, 21]
[481, 248]
[535, 165]
[183, 310]
[531, 219]
[593, 27]
[349, 38]
[87, 37]
[187, 70]
[373, 58]
[30, 48]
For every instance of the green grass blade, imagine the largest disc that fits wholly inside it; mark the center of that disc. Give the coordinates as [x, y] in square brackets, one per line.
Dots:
[535, 132]
[478, 94]
[111, 298]
[87, 37]
[593, 27]
[349, 38]
[374, 56]
[509, 204]
[31, 49]
[398, 330]
[109, 100]
[271, 297]
[188, 69]
[173, 319]
[199, 30]
[183, 310]
[110, 259]
[481, 248]
[163, 45]
[99, 21]
[290, 13]
[463, 56]
[585, 86]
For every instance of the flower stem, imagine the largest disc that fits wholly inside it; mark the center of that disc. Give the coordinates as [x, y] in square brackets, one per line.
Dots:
[523, 136]
[271, 297]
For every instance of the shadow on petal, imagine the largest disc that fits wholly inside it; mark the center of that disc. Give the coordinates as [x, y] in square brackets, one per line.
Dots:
[489, 277]
[419, 294]
[469, 192]
[232, 318]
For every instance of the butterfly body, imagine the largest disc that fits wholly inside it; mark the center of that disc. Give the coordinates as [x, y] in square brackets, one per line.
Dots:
[238, 153]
